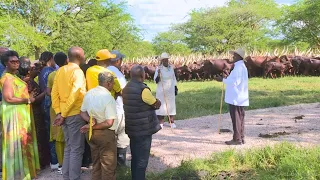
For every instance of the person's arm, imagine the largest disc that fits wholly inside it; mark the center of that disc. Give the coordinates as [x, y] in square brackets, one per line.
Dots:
[149, 99]
[40, 97]
[156, 75]
[77, 84]
[234, 78]
[55, 97]
[8, 95]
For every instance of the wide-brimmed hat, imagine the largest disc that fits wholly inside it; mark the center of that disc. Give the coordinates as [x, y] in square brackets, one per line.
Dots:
[104, 54]
[164, 56]
[239, 51]
[118, 55]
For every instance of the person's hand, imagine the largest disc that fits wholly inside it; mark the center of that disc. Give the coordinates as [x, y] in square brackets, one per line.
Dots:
[85, 128]
[218, 78]
[94, 121]
[157, 104]
[32, 99]
[59, 120]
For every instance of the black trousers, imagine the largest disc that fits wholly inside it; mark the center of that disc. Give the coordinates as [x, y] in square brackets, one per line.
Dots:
[140, 150]
[237, 115]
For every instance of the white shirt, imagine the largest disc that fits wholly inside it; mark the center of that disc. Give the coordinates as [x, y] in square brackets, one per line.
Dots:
[123, 82]
[237, 85]
[101, 104]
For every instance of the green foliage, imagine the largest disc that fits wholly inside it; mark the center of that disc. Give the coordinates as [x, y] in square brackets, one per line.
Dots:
[301, 22]
[171, 42]
[245, 23]
[57, 25]
[196, 99]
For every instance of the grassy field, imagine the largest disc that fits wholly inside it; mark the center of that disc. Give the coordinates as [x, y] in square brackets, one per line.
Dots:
[197, 99]
[283, 161]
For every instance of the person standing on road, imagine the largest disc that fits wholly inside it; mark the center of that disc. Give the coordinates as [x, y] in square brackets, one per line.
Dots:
[166, 90]
[141, 120]
[237, 95]
[122, 138]
[69, 88]
[99, 103]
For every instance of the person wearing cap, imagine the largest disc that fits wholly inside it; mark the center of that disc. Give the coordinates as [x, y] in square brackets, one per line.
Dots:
[122, 138]
[103, 58]
[166, 90]
[237, 95]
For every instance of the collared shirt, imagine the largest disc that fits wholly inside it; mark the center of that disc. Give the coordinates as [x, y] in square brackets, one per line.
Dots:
[99, 102]
[92, 78]
[237, 85]
[147, 97]
[68, 90]
[123, 82]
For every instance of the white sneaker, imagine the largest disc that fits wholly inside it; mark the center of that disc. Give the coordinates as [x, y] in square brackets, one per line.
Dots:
[60, 170]
[54, 166]
[173, 126]
[161, 125]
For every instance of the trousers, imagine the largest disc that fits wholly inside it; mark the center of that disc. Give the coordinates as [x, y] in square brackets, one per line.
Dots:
[103, 146]
[140, 150]
[74, 147]
[237, 116]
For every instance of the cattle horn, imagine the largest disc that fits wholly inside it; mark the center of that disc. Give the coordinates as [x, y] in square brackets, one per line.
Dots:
[282, 51]
[274, 53]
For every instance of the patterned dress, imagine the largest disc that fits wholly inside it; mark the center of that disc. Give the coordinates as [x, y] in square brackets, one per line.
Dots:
[20, 159]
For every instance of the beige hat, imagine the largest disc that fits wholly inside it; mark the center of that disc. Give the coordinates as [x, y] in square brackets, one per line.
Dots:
[239, 51]
[164, 56]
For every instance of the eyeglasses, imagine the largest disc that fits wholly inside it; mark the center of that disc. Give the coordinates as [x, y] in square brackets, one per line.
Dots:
[14, 62]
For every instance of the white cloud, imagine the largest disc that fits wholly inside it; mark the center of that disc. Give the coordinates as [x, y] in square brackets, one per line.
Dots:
[157, 15]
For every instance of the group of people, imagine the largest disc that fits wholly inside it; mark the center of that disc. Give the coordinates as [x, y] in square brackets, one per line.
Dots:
[53, 107]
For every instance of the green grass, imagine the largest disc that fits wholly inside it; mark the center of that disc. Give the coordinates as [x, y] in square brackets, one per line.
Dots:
[197, 99]
[283, 161]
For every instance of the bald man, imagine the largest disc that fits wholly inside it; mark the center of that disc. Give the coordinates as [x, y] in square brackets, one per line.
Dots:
[141, 121]
[67, 94]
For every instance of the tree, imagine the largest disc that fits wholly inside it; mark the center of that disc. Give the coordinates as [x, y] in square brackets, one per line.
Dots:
[58, 24]
[245, 23]
[301, 22]
[171, 42]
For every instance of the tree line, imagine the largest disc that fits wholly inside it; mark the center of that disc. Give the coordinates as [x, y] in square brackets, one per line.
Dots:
[33, 26]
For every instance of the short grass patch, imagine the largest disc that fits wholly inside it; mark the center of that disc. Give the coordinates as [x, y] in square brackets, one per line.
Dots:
[282, 161]
[197, 99]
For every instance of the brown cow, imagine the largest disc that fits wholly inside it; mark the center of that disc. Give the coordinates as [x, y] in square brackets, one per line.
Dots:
[271, 67]
[312, 67]
[183, 73]
[196, 71]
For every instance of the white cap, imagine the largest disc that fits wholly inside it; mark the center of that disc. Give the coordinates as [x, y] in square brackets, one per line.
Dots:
[239, 52]
[164, 56]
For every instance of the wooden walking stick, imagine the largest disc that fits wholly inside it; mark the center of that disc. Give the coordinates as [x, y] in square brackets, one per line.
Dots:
[220, 117]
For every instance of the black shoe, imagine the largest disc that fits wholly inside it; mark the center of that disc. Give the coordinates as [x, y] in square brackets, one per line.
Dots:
[232, 142]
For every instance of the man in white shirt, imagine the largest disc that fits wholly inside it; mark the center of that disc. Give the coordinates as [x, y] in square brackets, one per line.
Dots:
[122, 138]
[237, 95]
[99, 103]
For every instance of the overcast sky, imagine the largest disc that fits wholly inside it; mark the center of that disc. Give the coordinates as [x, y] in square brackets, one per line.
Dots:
[157, 15]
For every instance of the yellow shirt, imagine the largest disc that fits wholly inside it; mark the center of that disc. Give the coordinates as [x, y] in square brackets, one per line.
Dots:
[147, 97]
[51, 79]
[68, 90]
[92, 79]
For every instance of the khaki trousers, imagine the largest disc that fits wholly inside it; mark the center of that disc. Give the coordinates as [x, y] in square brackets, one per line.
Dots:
[103, 146]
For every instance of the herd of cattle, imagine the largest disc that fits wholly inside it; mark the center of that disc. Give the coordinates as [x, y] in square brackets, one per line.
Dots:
[258, 66]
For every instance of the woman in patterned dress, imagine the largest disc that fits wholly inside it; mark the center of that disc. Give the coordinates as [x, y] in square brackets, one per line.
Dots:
[20, 159]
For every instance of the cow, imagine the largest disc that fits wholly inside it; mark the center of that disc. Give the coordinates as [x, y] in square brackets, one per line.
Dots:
[183, 73]
[271, 67]
[196, 71]
[150, 71]
[312, 67]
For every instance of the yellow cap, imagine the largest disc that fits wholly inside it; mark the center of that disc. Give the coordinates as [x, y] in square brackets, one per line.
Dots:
[104, 54]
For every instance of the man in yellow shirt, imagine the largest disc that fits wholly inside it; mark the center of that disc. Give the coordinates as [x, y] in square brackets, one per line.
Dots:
[69, 88]
[103, 58]
[140, 119]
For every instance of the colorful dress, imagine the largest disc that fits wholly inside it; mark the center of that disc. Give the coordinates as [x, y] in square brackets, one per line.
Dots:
[20, 159]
